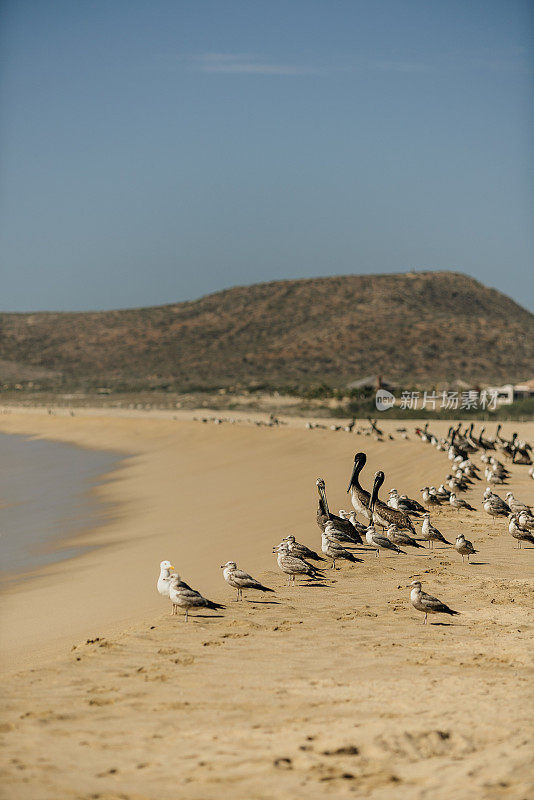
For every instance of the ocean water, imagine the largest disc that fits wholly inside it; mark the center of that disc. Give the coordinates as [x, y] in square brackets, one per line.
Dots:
[45, 497]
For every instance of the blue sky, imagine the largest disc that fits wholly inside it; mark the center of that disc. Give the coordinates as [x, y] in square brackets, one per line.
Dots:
[158, 151]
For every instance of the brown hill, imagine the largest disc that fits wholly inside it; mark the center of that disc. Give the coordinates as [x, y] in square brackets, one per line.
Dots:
[412, 328]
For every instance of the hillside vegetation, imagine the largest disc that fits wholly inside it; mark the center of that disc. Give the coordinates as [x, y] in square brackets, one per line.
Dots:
[412, 328]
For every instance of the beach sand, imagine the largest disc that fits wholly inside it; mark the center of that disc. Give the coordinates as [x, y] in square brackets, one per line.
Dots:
[314, 691]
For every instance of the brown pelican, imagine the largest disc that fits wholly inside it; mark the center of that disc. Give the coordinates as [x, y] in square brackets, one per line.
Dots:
[324, 515]
[426, 603]
[383, 515]
[373, 538]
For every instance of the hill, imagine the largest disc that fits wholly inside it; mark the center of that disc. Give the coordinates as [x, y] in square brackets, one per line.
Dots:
[411, 328]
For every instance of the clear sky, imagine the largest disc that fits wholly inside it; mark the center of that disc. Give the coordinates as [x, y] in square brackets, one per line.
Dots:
[158, 150]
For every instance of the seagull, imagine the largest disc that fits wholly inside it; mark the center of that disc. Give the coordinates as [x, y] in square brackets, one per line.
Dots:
[429, 498]
[425, 602]
[515, 505]
[293, 565]
[431, 534]
[333, 549]
[164, 578]
[298, 549]
[241, 580]
[464, 547]
[458, 503]
[183, 596]
[401, 538]
[518, 531]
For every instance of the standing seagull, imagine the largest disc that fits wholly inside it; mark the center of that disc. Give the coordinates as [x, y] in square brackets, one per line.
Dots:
[241, 580]
[458, 503]
[431, 534]
[426, 603]
[464, 547]
[183, 596]
[293, 565]
[300, 550]
[333, 549]
[164, 578]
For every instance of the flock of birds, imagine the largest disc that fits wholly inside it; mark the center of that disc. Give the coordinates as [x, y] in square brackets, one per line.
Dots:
[343, 536]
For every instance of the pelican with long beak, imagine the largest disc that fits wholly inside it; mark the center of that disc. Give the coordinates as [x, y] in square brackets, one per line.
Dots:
[324, 515]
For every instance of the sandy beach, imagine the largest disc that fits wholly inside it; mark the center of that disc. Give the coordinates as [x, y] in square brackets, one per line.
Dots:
[335, 690]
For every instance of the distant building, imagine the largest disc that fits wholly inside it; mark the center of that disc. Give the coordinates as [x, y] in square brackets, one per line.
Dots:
[370, 382]
[508, 393]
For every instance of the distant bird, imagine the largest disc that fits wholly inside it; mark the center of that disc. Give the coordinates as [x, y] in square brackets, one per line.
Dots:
[344, 539]
[496, 509]
[431, 534]
[426, 603]
[241, 580]
[164, 579]
[464, 547]
[402, 503]
[183, 596]
[458, 503]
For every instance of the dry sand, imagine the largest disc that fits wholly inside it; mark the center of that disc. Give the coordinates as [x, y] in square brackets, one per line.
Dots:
[334, 691]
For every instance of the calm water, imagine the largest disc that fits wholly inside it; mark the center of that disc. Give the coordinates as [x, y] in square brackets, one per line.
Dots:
[45, 497]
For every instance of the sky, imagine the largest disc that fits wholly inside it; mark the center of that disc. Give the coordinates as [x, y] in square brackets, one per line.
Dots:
[156, 151]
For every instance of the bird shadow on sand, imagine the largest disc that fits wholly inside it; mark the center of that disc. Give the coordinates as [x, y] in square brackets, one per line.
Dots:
[207, 616]
[264, 602]
[479, 563]
[318, 585]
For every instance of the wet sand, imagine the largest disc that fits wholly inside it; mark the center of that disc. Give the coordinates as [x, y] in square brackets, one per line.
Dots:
[336, 690]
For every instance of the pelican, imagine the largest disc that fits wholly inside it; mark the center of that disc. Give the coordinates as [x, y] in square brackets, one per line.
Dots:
[426, 603]
[373, 538]
[383, 515]
[241, 580]
[324, 515]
